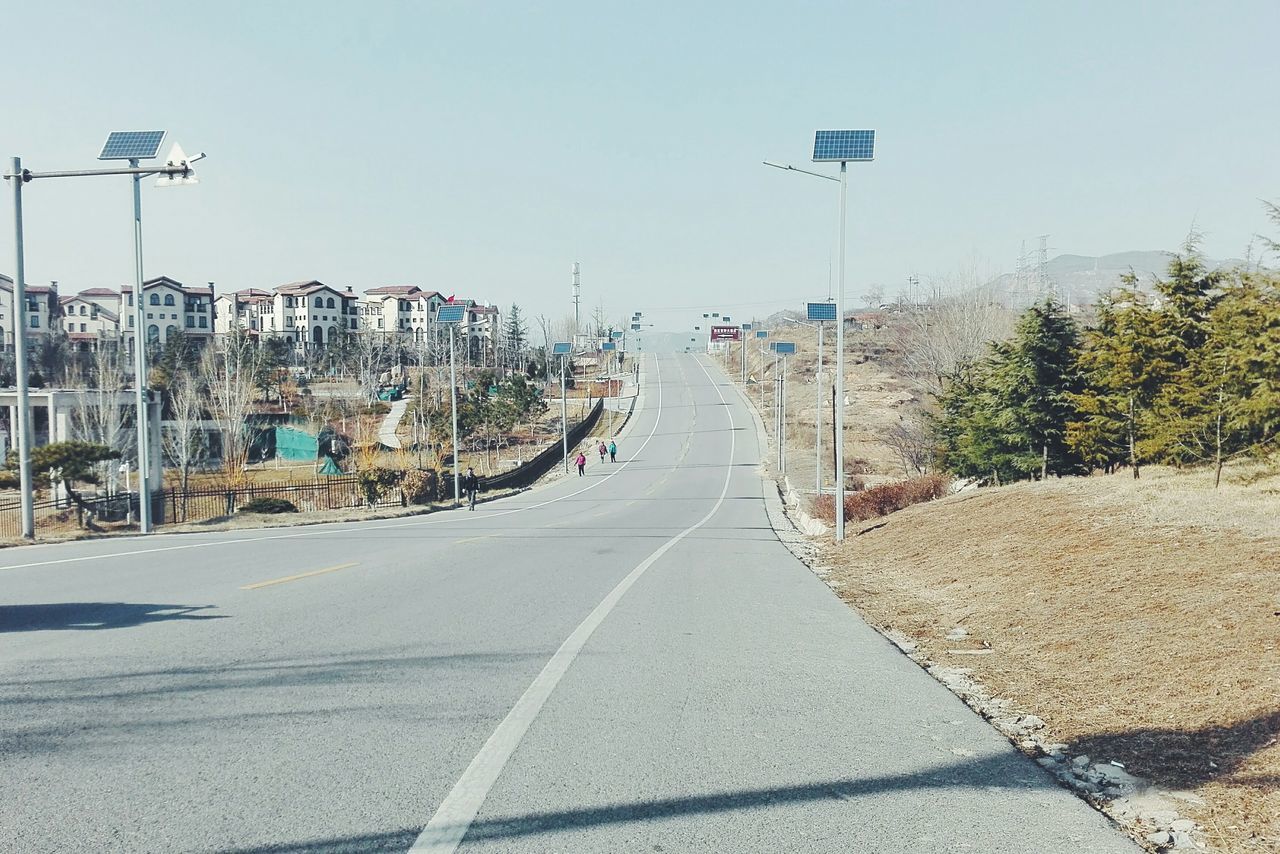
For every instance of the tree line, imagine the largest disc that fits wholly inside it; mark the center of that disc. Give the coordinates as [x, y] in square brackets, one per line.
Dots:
[1186, 374]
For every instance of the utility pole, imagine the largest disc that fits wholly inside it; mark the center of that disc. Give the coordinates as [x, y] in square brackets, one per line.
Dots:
[23, 427]
[577, 298]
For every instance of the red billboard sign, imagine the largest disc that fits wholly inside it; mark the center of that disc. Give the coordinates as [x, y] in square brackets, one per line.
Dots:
[725, 333]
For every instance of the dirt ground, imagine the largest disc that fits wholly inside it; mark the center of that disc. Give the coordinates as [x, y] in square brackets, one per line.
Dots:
[1139, 620]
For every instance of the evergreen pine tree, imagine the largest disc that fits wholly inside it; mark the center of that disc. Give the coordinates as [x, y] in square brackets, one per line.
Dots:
[1033, 379]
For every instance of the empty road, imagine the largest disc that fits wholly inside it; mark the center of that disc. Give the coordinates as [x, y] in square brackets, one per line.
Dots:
[628, 661]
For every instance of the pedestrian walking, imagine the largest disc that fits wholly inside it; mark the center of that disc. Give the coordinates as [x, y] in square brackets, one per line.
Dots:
[470, 483]
[581, 463]
[603, 450]
[613, 451]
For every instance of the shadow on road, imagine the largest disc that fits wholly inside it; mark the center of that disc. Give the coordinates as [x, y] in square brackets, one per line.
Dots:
[94, 615]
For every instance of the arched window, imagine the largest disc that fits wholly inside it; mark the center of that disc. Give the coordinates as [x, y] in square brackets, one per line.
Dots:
[317, 335]
[84, 309]
[153, 333]
[170, 331]
[168, 299]
[155, 299]
[319, 303]
[329, 304]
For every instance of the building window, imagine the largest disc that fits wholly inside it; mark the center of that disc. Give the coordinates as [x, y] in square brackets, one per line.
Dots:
[330, 303]
[83, 310]
[155, 300]
[82, 328]
[170, 331]
[168, 299]
[319, 303]
[71, 327]
[204, 323]
[130, 322]
[153, 333]
[131, 298]
[191, 323]
[35, 321]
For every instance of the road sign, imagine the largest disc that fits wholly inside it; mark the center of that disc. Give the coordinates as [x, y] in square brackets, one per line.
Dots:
[821, 311]
[725, 333]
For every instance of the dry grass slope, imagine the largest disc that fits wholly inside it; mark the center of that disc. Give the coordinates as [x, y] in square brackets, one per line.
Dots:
[1140, 620]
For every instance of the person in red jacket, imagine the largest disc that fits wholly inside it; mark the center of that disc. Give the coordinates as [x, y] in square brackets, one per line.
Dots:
[581, 463]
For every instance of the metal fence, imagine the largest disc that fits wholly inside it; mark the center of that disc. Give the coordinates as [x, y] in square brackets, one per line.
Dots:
[325, 493]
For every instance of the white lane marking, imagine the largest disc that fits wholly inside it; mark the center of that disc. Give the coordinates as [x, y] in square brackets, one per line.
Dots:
[357, 527]
[444, 833]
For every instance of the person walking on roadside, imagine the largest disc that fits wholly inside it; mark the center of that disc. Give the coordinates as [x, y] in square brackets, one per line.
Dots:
[470, 483]
[613, 451]
[581, 463]
[603, 450]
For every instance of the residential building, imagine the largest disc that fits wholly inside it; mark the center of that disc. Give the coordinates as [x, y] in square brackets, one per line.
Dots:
[169, 307]
[87, 319]
[241, 309]
[309, 314]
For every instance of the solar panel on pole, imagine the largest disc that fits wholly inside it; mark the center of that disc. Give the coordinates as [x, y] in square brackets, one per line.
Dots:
[839, 146]
[821, 311]
[132, 145]
[786, 348]
[561, 348]
[762, 333]
[451, 313]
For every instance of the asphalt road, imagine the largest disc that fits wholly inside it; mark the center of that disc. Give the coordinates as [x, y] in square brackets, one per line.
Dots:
[628, 661]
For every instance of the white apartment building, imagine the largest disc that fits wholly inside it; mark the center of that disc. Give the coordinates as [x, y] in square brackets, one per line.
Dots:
[399, 310]
[308, 314]
[241, 309]
[86, 319]
[42, 309]
[169, 307]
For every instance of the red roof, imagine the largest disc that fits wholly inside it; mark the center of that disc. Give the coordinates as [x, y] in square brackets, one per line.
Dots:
[99, 292]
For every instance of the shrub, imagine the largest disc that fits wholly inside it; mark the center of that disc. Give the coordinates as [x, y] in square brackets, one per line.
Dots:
[420, 486]
[374, 482]
[379, 408]
[268, 505]
[883, 500]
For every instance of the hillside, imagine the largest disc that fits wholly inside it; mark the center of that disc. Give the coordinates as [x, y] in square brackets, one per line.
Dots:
[1139, 620]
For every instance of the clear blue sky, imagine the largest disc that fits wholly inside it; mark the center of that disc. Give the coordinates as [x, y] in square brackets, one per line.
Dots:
[480, 148]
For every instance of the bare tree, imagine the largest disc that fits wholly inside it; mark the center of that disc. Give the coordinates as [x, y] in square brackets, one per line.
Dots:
[186, 443]
[912, 441]
[229, 375]
[948, 325]
[99, 414]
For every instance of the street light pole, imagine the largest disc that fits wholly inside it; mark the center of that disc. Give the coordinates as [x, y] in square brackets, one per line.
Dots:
[141, 421]
[839, 387]
[564, 415]
[453, 407]
[23, 427]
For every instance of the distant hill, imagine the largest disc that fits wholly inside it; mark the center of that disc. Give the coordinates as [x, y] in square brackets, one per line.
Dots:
[1081, 278]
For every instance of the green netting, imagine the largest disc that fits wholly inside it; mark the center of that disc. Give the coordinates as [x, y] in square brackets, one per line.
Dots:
[296, 445]
[330, 467]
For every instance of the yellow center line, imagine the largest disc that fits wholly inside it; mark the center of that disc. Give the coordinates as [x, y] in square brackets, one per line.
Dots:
[298, 576]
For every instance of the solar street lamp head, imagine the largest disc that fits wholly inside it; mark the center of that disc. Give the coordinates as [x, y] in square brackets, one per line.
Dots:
[838, 146]
[132, 145]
